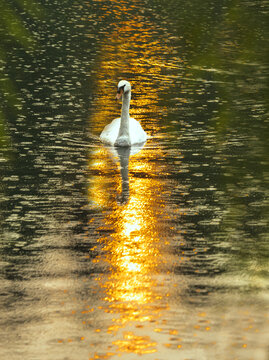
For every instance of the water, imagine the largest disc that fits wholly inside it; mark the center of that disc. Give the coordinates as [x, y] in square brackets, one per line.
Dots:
[158, 253]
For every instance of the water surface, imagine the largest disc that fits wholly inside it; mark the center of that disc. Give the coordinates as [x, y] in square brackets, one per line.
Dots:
[160, 252]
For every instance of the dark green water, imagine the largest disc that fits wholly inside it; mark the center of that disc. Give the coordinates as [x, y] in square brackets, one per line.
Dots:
[161, 254]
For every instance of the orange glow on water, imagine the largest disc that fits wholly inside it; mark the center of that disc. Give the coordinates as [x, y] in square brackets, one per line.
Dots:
[132, 251]
[135, 344]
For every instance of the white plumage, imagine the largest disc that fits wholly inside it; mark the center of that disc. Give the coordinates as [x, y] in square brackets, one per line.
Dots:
[124, 131]
[136, 133]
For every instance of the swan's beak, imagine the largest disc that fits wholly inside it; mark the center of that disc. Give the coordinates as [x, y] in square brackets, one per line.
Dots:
[119, 94]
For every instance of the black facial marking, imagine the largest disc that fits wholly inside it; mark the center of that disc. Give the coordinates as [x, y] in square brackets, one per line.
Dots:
[121, 88]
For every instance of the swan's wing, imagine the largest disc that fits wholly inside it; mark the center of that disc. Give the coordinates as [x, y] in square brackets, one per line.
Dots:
[137, 134]
[110, 132]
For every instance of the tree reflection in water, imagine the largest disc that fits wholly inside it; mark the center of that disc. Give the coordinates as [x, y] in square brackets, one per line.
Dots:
[172, 261]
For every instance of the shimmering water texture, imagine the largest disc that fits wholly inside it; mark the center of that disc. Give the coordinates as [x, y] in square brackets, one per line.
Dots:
[159, 252]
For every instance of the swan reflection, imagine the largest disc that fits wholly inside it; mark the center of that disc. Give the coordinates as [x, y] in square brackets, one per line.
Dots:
[131, 247]
[123, 155]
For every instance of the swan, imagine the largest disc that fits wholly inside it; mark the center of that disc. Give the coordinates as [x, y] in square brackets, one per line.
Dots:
[124, 131]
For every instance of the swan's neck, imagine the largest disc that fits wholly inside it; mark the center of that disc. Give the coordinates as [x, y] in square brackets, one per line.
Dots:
[124, 136]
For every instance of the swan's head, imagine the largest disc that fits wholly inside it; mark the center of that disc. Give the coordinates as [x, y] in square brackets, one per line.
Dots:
[123, 87]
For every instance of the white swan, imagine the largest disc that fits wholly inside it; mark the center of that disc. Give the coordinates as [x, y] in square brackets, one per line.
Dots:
[124, 131]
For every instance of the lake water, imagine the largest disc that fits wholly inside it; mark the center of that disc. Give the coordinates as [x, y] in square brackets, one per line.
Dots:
[158, 252]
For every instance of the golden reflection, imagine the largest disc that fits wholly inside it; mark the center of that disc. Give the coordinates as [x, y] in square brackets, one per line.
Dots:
[132, 287]
[131, 51]
[135, 344]
[127, 188]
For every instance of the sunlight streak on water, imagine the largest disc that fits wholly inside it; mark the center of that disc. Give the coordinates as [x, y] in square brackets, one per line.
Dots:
[132, 253]
[160, 252]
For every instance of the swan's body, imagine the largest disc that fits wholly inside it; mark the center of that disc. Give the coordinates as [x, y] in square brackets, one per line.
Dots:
[124, 131]
[136, 134]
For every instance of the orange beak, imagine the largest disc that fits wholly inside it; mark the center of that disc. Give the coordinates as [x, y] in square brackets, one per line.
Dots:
[119, 94]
